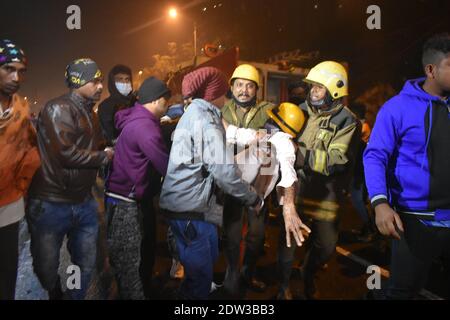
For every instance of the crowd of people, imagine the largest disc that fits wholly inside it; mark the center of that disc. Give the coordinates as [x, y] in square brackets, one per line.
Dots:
[226, 160]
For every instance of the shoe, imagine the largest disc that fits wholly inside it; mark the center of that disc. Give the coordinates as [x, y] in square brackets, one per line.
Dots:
[254, 284]
[56, 293]
[177, 270]
[310, 288]
[215, 286]
[285, 294]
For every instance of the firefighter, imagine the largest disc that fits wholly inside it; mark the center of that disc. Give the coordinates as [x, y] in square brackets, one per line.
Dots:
[243, 111]
[324, 159]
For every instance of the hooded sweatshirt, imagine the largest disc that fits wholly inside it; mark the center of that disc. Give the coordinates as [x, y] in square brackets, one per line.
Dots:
[407, 158]
[139, 148]
[115, 102]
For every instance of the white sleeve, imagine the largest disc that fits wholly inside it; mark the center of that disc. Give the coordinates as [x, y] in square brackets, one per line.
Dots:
[240, 136]
[285, 153]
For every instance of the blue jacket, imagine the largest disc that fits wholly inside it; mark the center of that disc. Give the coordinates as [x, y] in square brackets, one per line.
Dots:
[406, 160]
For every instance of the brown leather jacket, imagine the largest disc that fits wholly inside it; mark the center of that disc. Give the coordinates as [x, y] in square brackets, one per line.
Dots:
[69, 141]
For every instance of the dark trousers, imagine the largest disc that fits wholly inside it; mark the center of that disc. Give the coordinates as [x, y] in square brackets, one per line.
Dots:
[412, 255]
[124, 235]
[9, 254]
[148, 245]
[321, 245]
[233, 219]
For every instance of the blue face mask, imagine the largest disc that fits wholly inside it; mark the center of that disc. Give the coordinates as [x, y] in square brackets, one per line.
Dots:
[124, 88]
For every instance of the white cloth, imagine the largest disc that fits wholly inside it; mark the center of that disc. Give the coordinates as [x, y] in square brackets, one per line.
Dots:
[285, 154]
[12, 213]
[251, 160]
[254, 162]
[240, 136]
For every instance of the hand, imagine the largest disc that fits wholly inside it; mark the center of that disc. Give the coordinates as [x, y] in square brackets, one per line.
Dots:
[388, 221]
[258, 206]
[294, 224]
[109, 153]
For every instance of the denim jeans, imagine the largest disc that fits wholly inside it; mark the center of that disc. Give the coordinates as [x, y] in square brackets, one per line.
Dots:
[198, 247]
[49, 222]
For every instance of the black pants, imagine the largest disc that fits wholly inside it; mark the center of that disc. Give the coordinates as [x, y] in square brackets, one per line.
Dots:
[321, 245]
[233, 219]
[9, 255]
[412, 255]
[148, 246]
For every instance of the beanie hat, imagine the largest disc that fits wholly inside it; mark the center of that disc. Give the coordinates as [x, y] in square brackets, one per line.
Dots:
[152, 89]
[81, 71]
[207, 83]
[9, 52]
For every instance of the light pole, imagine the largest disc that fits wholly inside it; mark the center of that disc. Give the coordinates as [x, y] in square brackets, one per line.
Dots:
[173, 14]
[195, 39]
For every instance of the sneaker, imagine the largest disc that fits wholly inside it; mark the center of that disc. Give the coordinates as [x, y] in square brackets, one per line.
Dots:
[215, 286]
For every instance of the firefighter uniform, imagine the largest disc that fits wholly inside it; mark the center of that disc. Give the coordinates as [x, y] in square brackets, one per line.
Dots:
[324, 159]
[255, 117]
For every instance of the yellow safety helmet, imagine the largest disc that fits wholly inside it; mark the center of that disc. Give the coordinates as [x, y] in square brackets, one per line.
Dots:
[332, 75]
[246, 71]
[289, 117]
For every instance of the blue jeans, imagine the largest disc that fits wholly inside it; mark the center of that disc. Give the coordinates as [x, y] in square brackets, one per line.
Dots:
[198, 247]
[49, 222]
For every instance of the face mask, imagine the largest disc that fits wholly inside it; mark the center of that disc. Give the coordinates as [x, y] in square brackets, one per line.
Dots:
[124, 88]
[245, 105]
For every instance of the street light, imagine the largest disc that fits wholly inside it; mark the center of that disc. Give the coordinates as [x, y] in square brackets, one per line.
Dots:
[173, 14]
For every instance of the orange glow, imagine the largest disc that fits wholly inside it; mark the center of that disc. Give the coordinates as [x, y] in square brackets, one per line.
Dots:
[173, 13]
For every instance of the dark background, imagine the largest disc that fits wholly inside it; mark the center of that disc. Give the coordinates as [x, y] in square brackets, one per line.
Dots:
[261, 28]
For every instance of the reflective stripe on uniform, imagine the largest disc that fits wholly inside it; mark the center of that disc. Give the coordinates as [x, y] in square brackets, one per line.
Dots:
[340, 146]
[319, 160]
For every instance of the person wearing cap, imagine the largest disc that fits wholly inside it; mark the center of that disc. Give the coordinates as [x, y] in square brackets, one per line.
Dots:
[199, 164]
[244, 111]
[324, 160]
[19, 159]
[121, 96]
[139, 150]
[60, 199]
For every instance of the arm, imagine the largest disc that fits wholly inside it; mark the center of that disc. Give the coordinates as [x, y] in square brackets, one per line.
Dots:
[61, 131]
[220, 163]
[240, 136]
[331, 160]
[154, 148]
[292, 221]
[379, 150]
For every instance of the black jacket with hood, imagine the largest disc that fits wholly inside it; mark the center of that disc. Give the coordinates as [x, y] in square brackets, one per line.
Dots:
[115, 102]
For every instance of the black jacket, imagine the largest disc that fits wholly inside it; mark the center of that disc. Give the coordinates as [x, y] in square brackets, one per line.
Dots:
[108, 108]
[69, 141]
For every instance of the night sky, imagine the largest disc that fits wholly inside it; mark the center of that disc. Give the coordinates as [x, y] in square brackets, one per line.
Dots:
[261, 28]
